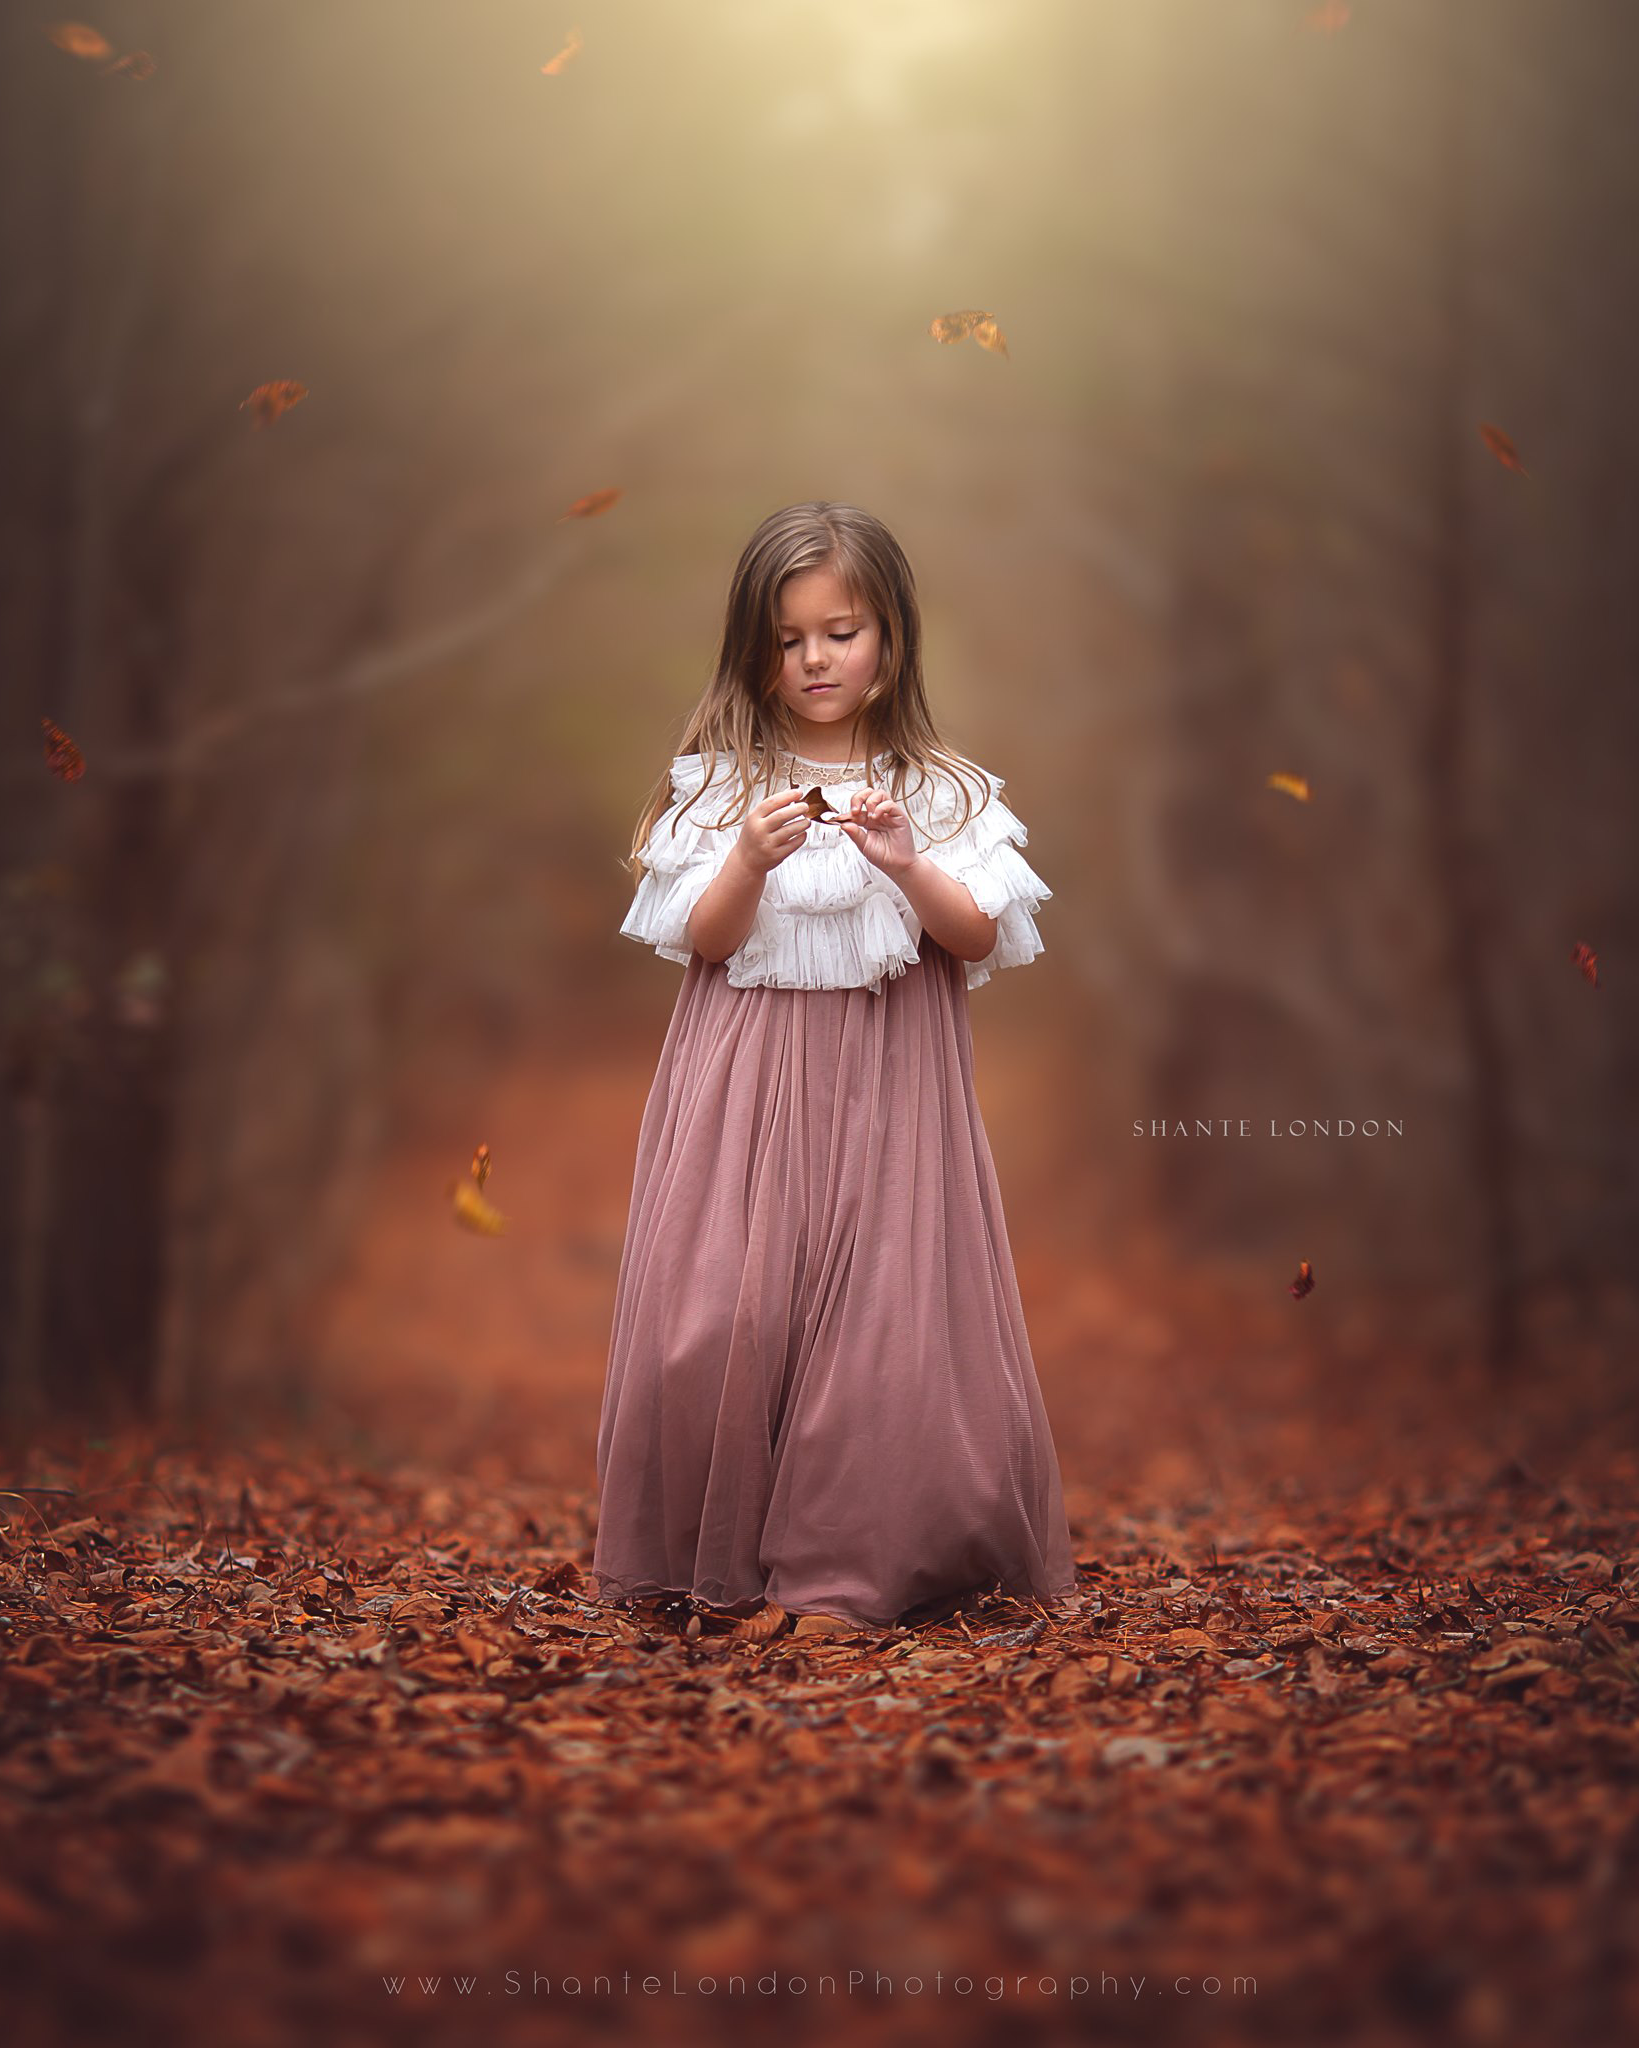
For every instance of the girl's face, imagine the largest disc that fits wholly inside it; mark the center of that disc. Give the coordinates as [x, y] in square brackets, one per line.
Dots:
[831, 650]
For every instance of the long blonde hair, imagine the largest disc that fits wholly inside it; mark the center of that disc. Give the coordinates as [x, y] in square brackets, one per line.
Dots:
[740, 714]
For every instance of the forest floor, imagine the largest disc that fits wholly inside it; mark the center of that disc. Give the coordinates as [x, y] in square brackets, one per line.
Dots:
[308, 1731]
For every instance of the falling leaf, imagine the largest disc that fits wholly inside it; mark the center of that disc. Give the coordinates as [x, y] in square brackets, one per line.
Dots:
[1304, 1282]
[1329, 17]
[954, 326]
[78, 40]
[572, 43]
[1587, 959]
[472, 1212]
[949, 327]
[63, 758]
[1294, 785]
[269, 400]
[1502, 447]
[594, 503]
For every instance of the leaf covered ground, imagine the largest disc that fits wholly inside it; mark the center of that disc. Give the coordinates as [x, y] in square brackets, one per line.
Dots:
[296, 1744]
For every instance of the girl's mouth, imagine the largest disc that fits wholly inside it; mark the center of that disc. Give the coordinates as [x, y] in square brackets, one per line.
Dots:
[811, 687]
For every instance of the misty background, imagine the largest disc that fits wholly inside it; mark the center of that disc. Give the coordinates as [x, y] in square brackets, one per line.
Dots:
[367, 722]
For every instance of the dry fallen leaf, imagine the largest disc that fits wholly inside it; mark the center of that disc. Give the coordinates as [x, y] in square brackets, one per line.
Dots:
[1305, 1281]
[402, 1673]
[1587, 959]
[1294, 785]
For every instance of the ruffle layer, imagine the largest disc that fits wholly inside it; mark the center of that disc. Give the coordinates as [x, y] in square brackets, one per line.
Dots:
[983, 857]
[681, 857]
[828, 918]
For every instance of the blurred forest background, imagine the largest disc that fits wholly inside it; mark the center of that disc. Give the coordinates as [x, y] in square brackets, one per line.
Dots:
[367, 722]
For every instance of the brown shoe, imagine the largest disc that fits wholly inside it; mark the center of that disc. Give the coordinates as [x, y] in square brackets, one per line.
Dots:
[762, 1626]
[827, 1625]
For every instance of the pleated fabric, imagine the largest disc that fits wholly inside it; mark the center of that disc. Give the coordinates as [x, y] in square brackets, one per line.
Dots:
[820, 1389]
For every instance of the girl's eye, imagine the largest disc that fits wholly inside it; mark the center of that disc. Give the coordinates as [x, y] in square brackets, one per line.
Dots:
[835, 636]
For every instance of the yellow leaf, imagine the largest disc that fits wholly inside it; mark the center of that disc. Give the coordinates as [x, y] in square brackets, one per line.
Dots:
[472, 1212]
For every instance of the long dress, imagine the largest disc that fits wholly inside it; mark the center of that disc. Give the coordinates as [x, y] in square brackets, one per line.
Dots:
[820, 1390]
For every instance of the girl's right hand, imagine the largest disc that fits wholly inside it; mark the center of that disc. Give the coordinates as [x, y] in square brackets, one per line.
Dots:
[773, 830]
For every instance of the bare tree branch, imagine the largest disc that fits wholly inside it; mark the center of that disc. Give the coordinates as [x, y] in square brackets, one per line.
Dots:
[192, 752]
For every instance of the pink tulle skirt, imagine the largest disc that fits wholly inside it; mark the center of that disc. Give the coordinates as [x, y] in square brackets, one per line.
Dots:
[820, 1390]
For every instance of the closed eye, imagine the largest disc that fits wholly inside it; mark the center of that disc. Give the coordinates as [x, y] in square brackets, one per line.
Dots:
[834, 636]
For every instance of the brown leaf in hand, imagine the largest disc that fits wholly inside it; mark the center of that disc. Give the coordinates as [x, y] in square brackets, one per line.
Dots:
[1502, 447]
[817, 803]
[573, 41]
[63, 758]
[1304, 1283]
[594, 503]
[1587, 959]
[269, 400]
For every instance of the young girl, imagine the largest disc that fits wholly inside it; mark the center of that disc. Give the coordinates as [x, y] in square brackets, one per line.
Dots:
[820, 1394]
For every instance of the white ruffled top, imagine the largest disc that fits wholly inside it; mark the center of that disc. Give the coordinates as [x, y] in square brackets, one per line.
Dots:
[828, 918]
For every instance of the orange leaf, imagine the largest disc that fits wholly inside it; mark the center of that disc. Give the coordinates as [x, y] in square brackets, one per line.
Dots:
[63, 758]
[955, 326]
[1502, 447]
[948, 327]
[472, 1212]
[78, 40]
[1587, 959]
[594, 503]
[269, 400]
[1294, 785]
[573, 43]
[1304, 1283]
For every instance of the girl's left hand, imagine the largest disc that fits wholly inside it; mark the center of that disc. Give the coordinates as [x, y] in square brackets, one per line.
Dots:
[880, 828]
